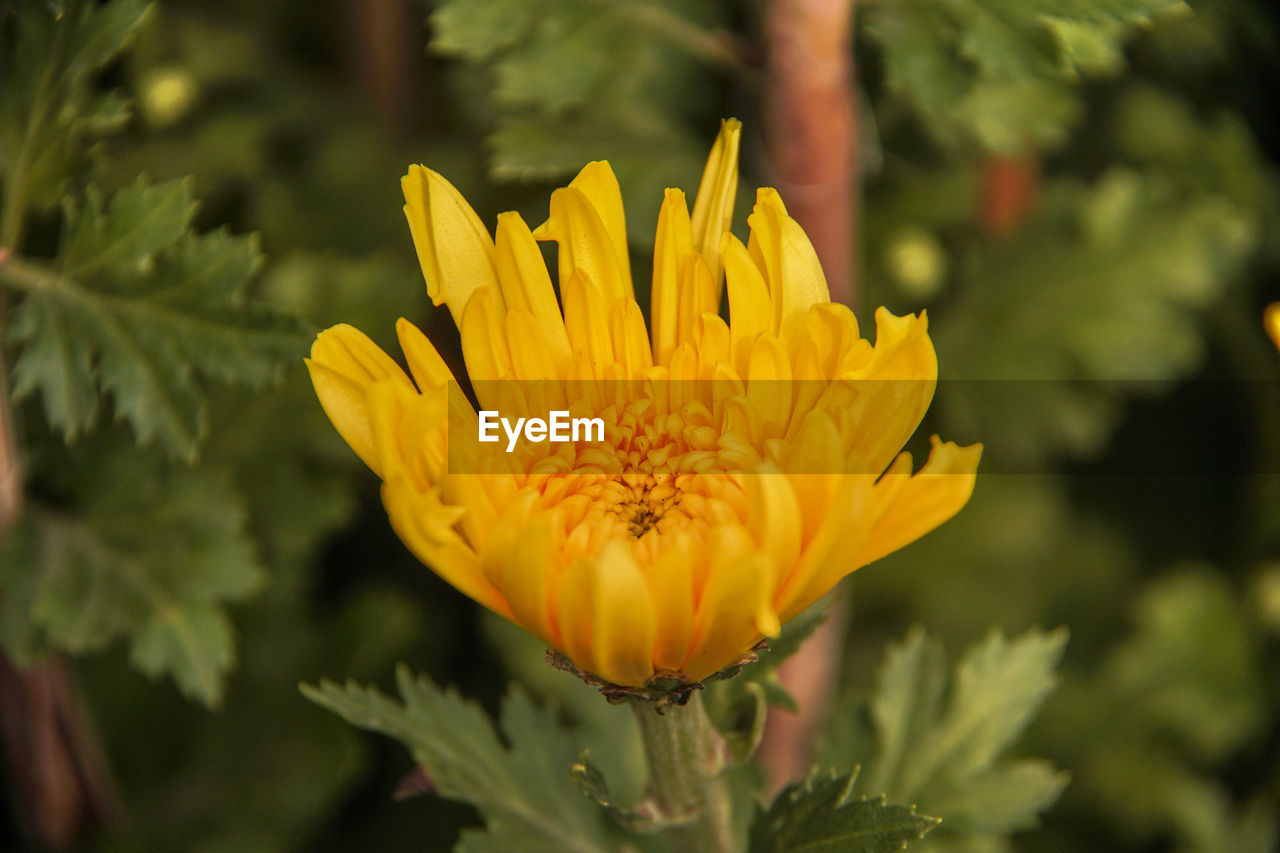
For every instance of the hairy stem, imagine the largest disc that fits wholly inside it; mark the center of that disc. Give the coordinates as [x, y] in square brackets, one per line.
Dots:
[686, 757]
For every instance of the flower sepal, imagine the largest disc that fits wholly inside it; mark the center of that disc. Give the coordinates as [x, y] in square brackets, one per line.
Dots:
[665, 689]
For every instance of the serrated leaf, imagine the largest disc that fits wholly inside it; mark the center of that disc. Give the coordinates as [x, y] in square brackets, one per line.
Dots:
[138, 310]
[196, 645]
[47, 107]
[941, 745]
[118, 239]
[148, 553]
[524, 791]
[819, 814]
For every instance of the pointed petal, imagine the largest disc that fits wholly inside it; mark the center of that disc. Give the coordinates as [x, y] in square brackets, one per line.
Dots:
[598, 183]
[750, 311]
[343, 364]
[894, 389]
[713, 206]
[454, 248]
[343, 401]
[674, 240]
[585, 244]
[924, 501]
[796, 280]
[525, 282]
[428, 368]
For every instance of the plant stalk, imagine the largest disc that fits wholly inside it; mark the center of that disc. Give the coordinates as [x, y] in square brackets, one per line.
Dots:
[686, 758]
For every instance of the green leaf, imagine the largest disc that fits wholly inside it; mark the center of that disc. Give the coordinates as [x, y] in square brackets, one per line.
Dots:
[524, 791]
[151, 553]
[139, 308]
[942, 744]
[1002, 74]
[47, 106]
[820, 814]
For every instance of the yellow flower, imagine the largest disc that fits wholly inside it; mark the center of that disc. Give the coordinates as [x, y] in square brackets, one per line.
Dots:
[747, 466]
[1271, 319]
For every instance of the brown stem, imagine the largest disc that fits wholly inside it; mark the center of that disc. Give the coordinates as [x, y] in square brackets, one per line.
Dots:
[813, 141]
[60, 774]
[813, 128]
[382, 35]
[810, 675]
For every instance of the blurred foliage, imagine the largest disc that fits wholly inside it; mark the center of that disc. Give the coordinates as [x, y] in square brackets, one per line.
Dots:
[244, 549]
[1002, 75]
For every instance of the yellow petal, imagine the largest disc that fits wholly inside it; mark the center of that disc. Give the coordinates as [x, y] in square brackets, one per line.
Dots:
[598, 183]
[525, 282]
[587, 321]
[713, 206]
[769, 385]
[735, 609]
[893, 389]
[843, 530]
[671, 581]
[796, 280]
[411, 515]
[775, 517]
[631, 339]
[454, 248]
[521, 561]
[624, 618]
[396, 417]
[585, 244]
[674, 240]
[1271, 319]
[530, 355]
[343, 401]
[343, 364]
[428, 368]
[711, 340]
[484, 336]
[750, 311]
[924, 501]
[696, 296]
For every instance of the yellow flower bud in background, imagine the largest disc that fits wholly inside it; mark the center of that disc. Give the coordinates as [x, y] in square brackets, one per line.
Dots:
[166, 95]
[917, 263]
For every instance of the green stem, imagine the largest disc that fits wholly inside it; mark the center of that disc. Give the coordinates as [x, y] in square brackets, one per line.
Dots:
[686, 755]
